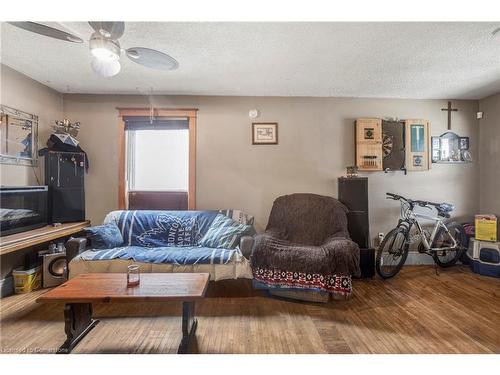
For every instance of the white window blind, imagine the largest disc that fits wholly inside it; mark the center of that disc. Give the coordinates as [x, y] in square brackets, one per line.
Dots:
[157, 159]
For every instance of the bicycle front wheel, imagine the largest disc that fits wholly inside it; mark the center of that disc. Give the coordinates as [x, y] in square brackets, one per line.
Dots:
[447, 258]
[392, 253]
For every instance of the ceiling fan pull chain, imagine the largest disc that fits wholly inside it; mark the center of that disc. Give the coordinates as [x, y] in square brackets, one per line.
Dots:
[151, 110]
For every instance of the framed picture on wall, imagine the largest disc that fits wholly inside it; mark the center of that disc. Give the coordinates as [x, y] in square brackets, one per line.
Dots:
[265, 133]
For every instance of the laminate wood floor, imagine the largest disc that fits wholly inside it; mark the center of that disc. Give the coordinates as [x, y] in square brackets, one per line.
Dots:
[416, 312]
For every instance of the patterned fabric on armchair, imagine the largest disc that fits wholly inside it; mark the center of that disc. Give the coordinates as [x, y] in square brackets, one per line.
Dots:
[306, 251]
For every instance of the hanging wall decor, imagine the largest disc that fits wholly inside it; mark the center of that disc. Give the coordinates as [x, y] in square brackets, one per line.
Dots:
[450, 148]
[369, 144]
[18, 137]
[417, 145]
[265, 133]
[392, 145]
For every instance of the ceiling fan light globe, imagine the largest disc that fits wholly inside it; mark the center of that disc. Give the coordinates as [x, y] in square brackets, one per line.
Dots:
[104, 54]
[104, 48]
[104, 68]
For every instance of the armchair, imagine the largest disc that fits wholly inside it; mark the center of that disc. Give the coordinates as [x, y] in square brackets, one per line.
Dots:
[305, 251]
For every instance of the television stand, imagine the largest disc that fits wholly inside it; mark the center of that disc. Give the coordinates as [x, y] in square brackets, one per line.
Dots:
[19, 241]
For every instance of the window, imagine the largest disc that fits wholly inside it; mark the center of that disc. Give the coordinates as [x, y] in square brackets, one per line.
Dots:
[158, 160]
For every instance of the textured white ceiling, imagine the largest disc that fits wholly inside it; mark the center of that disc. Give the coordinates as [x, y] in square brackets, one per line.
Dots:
[387, 60]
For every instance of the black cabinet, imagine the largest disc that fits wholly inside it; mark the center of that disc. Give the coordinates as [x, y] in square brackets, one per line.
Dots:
[64, 175]
[353, 193]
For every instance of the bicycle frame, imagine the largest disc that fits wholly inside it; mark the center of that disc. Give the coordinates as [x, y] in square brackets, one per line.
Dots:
[412, 219]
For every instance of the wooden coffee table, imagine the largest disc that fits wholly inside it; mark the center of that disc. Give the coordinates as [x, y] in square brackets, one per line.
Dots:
[82, 291]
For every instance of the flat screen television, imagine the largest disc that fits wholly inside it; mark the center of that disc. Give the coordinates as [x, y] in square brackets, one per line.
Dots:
[22, 208]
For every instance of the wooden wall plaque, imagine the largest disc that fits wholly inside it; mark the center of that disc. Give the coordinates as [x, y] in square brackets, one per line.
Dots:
[369, 144]
[417, 134]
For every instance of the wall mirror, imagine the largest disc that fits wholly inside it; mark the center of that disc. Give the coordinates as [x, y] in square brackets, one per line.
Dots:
[18, 137]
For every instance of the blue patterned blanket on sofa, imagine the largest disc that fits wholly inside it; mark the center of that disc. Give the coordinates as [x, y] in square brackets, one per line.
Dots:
[164, 237]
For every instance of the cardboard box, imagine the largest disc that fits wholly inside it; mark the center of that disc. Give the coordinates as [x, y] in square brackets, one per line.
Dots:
[486, 227]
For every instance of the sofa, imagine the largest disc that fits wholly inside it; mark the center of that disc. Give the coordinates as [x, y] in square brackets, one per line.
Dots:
[306, 252]
[168, 241]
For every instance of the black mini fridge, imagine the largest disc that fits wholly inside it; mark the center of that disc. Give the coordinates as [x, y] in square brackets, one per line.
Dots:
[65, 175]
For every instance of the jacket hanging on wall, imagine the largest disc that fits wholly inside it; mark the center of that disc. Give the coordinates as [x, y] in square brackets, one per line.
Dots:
[64, 143]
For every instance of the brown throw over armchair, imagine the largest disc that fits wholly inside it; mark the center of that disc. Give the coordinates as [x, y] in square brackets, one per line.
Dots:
[306, 251]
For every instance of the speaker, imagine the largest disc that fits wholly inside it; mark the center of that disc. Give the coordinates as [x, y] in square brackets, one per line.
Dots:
[357, 223]
[353, 193]
[54, 269]
[367, 262]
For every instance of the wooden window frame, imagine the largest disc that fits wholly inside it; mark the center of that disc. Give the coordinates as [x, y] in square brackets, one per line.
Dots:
[190, 114]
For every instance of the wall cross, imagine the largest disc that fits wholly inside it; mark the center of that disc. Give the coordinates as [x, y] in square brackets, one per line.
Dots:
[449, 110]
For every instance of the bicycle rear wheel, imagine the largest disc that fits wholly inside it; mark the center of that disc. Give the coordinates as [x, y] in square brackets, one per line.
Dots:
[447, 258]
[392, 253]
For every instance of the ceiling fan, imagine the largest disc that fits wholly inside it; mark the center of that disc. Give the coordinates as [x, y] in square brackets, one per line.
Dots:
[105, 48]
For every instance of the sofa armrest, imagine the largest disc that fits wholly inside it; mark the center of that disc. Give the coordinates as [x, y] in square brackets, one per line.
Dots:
[246, 245]
[75, 246]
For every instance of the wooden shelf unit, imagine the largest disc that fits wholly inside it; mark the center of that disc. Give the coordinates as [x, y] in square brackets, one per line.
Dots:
[18, 241]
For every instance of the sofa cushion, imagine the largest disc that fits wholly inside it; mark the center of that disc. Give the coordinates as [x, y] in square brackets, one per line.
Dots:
[239, 216]
[168, 254]
[225, 233]
[162, 228]
[105, 236]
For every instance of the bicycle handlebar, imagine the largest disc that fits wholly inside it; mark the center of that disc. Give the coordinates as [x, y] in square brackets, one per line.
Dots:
[392, 196]
[411, 202]
[395, 197]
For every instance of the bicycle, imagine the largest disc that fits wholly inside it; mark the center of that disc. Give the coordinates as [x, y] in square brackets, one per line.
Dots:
[444, 244]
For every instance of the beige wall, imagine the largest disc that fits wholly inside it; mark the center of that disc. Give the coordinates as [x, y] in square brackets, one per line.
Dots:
[23, 93]
[489, 201]
[316, 142]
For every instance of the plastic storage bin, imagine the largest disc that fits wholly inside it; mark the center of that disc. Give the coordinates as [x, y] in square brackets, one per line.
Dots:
[484, 257]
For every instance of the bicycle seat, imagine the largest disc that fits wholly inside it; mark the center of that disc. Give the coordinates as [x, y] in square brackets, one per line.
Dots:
[444, 209]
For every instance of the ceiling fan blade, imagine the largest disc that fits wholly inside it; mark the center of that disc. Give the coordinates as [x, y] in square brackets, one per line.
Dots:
[113, 30]
[38, 28]
[152, 58]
